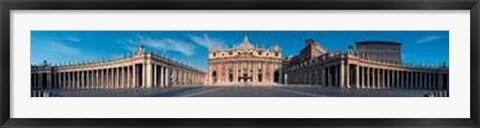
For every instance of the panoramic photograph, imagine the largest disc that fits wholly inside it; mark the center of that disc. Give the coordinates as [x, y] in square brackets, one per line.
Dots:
[239, 64]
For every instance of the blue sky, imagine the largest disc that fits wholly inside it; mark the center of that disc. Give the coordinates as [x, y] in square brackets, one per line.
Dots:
[191, 47]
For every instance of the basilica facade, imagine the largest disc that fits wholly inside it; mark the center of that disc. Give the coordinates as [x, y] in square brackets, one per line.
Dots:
[244, 64]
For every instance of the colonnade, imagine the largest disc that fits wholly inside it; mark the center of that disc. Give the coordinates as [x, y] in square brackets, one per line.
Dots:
[141, 75]
[359, 76]
[368, 76]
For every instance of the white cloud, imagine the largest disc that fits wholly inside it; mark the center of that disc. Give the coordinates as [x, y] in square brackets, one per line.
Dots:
[170, 45]
[129, 44]
[428, 39]
[164, 45]
[207, 42]
[72, 39]
[62, 48]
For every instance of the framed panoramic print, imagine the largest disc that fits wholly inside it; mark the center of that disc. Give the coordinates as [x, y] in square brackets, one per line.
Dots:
[192, 63]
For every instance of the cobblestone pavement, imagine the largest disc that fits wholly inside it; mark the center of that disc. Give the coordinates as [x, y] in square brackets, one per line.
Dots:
[240, 91]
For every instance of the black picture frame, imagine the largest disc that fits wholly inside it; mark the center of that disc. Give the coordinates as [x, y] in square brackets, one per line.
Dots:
[8, 5]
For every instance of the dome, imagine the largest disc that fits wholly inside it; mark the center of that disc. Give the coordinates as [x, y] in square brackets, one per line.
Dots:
[245, 44]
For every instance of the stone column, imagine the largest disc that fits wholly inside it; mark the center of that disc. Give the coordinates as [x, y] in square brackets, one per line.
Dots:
[429, 84]
[363, 77]
[84, 79]
[357, 76]
[100, 78]
[389, 78]
[61, 80]
[39, 80]
[92, 78]
[405, 81]
[432, 81]
[394, 76]
[384, 78]
[95, 72]
[422, 85]
[33, 80]
[374, 78]
[324, 77]
[400, 79]
[336, 81]
[49, 80]
[414, 80]
[127, 77]
[144, 75]
[427, 81]
[369, 84]
[122, 77]
[343, 80]
[397, 79]
[78, 79]
[378, 81]
[114, 77]
[422, 80]
[55, 80]
[409, 81]
[108, 76]
[162, 76]
[113, 81]
[58, 80]
[87, 78]
[417, 80]
[154, 68]
[134, 76]
[69, 80]
[149, 75]
[393, 79]
[66, 76]
[75, 79]
[117, 77]
[440, 81]
[104, 78]
[167, 77]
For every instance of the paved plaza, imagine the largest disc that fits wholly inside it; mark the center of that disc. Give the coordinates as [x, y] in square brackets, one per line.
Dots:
[239, 91]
